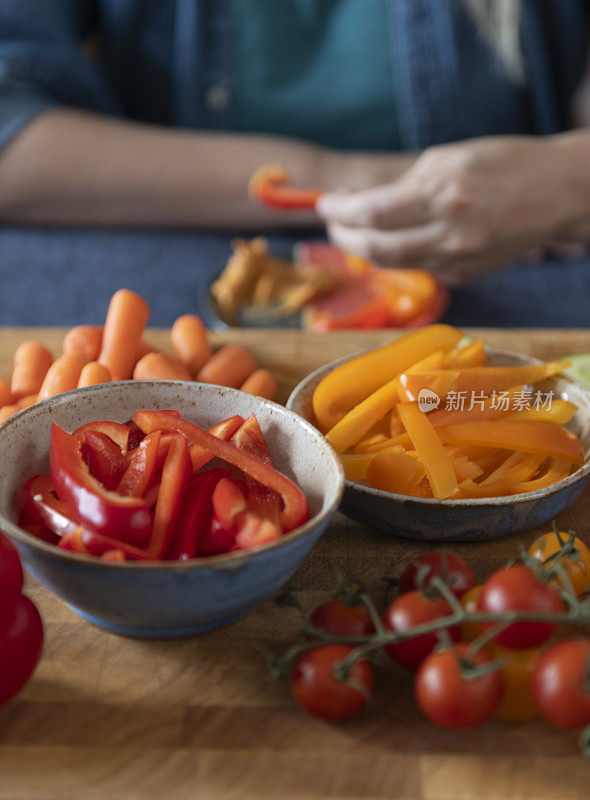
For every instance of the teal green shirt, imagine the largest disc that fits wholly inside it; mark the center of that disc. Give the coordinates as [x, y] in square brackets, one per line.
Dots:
[292, 71]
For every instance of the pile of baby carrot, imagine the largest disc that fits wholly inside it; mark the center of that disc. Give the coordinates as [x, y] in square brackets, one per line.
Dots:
[117, 351]
[426, 416]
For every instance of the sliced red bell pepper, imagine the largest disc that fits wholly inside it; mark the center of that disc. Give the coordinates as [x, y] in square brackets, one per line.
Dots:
[175, 477]
[215, 539]
[74, 542]
[36, 497]
[116, 431]
[104, 458]
[136, 435]
[269, 186]
[195, 513]
[228, 501]
[295, 510]
[261, 500]
[36, 528]
[149, 421]
[255, 532]
[139, 475]
[114, 556]
[127, 519]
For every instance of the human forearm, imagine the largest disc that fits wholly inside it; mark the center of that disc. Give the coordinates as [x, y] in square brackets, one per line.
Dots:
[70, 167]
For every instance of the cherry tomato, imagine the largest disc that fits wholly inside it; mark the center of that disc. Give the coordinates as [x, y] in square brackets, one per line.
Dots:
[407, 611]
[578, 570]
[453, 570]
[516, 588]
[11, 573]
[450, 699]
[341, 619]
[318, 691]
[21, 640]
[517, 704]
[560, 683]
[471, 630]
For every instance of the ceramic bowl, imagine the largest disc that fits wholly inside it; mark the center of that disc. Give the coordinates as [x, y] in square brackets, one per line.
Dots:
[168, 598]
[433, 520]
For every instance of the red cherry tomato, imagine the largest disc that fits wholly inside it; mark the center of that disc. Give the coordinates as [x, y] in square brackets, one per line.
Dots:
[21, 641]
[516, 588]
[11, 573]
[318, 691]
[450, 699]
[408, 611]
[453, 570]
[560, 684]
[338, 618]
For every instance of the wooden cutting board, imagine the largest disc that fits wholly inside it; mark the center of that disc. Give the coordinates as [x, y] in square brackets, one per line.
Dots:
[110, 718]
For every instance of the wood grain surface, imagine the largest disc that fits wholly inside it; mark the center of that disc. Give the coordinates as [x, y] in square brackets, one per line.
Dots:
[111, 718]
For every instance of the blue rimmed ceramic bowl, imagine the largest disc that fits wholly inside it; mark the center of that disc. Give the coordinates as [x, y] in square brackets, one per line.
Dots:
[479, 519]
[168, 598]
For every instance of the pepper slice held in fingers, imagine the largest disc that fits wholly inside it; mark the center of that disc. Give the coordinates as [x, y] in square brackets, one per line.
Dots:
[270, 186]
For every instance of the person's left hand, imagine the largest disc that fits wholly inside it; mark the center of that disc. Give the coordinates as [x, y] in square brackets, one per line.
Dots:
[461, 210]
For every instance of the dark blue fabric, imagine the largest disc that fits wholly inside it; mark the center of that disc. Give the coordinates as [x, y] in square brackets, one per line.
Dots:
[160, 57]
[52, 277]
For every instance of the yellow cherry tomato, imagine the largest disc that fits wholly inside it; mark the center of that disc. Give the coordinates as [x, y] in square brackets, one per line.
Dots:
[578, 566]
[517, 704]
[471, 630]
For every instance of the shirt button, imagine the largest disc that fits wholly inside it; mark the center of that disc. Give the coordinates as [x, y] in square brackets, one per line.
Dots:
[218, 97]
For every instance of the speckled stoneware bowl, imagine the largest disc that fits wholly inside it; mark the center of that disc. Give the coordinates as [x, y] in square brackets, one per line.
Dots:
[463, 520]
[168, 599]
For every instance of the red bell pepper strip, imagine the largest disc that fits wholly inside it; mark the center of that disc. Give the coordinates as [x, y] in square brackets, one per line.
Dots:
[295, 510]
[255, 532]
[139, 475]
[104, 458]
[261, 500]
[74, 542]
[136, 435]
[149, 421]
[114, 556]
[175, 477]
[116, 431]
[36, 528]
[195, 513]
[127, 519]
[269, 186]
[36, 497]
[215, 539]
[228, 502]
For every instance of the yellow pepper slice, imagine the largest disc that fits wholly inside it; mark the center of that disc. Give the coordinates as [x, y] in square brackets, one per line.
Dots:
[479, 380]
[355, 467]
[529, 436]
[557, 470]
[560, 411]
[394, 471]
[437, 464]
[352, 382]
[470, 355]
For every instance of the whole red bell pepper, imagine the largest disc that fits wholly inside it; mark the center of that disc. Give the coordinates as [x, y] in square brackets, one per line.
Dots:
[176, 473]
[139, 475]
[104, 458]
[21, 629]
[295, 510]
[195, 513]
[127, 519]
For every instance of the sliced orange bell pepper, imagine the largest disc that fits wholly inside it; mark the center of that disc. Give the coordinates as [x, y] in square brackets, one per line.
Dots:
[472, 354]
[355, 467]
[560, 411]
[516, 468]
[363, 417]
[557, 469]
[269, 185]
[529, 436]
[352, 382]
[394, 471]
[479, 380]
[436, 462]
[465, 469]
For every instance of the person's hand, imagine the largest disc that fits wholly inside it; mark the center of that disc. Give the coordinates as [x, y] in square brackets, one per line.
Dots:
[461, 210]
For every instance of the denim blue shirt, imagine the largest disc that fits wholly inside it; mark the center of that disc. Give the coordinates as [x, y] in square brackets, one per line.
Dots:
[384, 74]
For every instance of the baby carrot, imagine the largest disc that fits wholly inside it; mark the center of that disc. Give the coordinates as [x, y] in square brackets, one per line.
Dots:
[230, 366]
[62, 375]
[189, 340]
[92, 374]
[31, 362]
[8, 411]
[5, 394]
[126, 318]
[145, 348]
[86, 340]
[157, 366]
[28, 400]
[261, 383]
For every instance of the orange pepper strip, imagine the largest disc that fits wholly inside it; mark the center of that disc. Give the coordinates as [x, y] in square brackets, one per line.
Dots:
[465, 469]
[560, 411]
[470, 355]
[546, 438]
[394, 471]
[269, 186]
[437, 464]
[345, 387]
[521, 468]
[480, 380]
[557, 470]
[395, 425]
[355, 467]
[363, 417]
